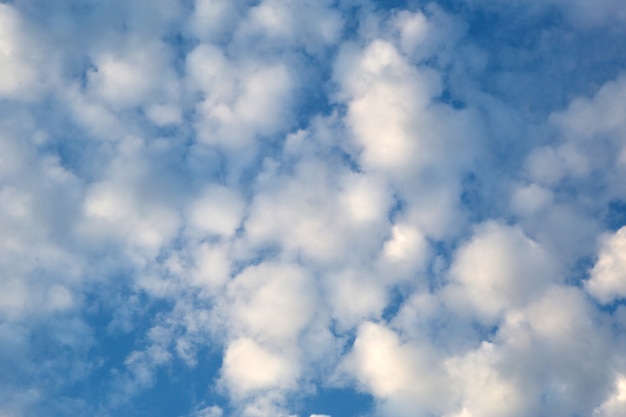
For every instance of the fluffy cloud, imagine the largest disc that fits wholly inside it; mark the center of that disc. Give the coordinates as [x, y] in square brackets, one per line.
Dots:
[218, 211]
[616, 403]
[498, 269]
[403, 375]
[271, 302]
[484, 390]
[608, 280]
[276, 208]
[19, 70]
[387, 96]
[249, 367]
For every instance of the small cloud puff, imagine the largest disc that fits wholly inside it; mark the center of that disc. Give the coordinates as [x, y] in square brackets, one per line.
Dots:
[608, 276]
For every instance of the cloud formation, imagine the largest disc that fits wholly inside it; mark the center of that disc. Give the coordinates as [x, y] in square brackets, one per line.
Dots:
[218, 208]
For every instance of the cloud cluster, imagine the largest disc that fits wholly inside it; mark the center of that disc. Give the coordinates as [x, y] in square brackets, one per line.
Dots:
[266, 201]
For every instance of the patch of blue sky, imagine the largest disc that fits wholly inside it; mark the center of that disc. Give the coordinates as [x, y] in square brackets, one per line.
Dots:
[477, 206]
[448, 98]
[391, 4]
[397, 295]
[539, 62]
[118, 330]
[269, 252]
[338, 402]
[179, 388]
[615, 217]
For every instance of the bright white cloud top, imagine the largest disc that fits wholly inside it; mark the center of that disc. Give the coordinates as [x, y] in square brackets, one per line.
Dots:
[334, 208]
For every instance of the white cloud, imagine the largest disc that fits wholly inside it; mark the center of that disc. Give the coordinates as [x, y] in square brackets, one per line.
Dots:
[483, 389]
[127, 205]
[109, 204]
[381, 366]
[549, 358]
[580, 371]
[365, 199]
[414, 30]
[242, 100]
[130, 72]
[530, 199]
[615, 405]
[294, 23]
[348, 310]
[406, 251]
[164, 114]
[212, 266]
[608, 276]
[403, 376]
[249, 368]
[17, 62]
[271, 302]
[309, 189]
[218, 211]
[211, 19]
[549, 165]
[387, 101]
[211, 411]
[498, 269]
[309, 213]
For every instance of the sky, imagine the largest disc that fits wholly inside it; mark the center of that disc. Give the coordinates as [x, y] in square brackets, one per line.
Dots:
[330, 208]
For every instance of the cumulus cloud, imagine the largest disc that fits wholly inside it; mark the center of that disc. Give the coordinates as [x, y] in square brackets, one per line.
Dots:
[498, 269]
[615, 404]
[218, 211]
[338, 208]
[19, 69]
[271, 302]
[249, 368]
[404, 375]
[608, 281]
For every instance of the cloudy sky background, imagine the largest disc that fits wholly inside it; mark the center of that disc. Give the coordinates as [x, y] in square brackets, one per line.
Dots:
[342, 208]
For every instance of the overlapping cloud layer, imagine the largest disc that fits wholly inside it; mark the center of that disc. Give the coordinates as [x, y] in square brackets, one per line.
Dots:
[254, 208]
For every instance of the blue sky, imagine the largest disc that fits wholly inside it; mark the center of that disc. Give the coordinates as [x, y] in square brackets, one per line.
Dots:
[339, 208]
